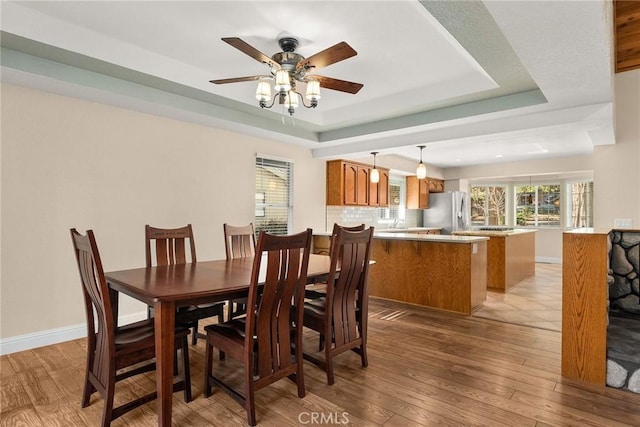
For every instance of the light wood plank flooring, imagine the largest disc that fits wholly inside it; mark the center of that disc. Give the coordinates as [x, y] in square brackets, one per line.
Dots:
[535, 302]
[425, 368]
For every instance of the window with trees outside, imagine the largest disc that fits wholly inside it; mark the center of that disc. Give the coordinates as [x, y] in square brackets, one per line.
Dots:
[488, 205]
[580, 204]
[537, 205]
[273, 195]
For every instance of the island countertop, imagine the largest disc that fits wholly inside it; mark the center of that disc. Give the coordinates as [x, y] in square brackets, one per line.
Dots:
[412, 236]
[445, 238]
[494, 233]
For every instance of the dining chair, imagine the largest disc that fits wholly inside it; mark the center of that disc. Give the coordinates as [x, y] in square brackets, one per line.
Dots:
[170, 247]
[239, 242]
[116, 352]
[319, 288]
[341, 317]
[269, 338]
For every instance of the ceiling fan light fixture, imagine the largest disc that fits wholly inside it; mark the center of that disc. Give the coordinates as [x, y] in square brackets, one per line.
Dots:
[313, 90]
[283, 82]
[375, 174]
[287, 68]
[421, 170]
[263, 92]
[291, 101]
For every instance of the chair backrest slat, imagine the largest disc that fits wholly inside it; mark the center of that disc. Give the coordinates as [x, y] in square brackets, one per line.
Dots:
[170, 245]
[285, 276]
[101, 326]
[350, 255]
[239, 242]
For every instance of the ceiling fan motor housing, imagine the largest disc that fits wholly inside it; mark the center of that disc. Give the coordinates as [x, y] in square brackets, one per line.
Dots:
[288, 59]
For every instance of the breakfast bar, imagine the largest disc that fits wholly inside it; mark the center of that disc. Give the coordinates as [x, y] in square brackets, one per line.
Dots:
[510, 256]
[440, 271]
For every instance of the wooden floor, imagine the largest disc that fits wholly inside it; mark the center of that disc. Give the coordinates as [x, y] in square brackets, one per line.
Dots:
[536, 301]
[425, 368]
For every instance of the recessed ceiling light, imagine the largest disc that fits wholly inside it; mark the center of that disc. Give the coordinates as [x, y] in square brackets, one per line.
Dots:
[498, 155]
[457, 160]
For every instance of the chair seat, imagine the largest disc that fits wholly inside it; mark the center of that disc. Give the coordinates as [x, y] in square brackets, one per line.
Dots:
[134, 332]
[316, 307]
[193, 313]
[232, 329]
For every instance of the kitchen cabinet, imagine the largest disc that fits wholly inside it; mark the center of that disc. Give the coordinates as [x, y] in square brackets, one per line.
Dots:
[349, 184]
[436, 185]
[418, 191]
[379, 193]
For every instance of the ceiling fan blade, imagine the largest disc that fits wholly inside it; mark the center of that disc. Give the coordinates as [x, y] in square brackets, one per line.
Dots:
[251, 51]
[236, 80]
[337, 84]
[331, 55]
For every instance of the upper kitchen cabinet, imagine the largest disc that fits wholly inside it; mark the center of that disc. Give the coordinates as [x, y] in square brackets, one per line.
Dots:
[379, 193]
[418, 191]
[436, 185]
[348, 183]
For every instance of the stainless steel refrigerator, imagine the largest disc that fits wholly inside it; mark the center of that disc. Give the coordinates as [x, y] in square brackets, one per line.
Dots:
[448, 211]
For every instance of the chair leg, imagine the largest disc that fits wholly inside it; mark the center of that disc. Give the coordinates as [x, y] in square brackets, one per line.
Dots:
[300, 377]
[107, 412]
[208, 362]
[186, 370]
[250, 404]
[363, 355]
[194, 337]
[328, 360]
[89, 389]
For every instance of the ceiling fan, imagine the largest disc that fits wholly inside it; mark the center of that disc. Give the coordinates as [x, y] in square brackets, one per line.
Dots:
[288, 67]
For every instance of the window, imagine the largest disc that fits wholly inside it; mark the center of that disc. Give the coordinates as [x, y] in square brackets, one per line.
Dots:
[580, 204]
[538, 205]
[396, 209]
[488, 205]
[273, 195]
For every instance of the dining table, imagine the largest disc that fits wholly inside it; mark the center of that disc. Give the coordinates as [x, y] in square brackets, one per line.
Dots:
[168, 287]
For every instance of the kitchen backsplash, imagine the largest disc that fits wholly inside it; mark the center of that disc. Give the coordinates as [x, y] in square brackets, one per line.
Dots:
[352, 215]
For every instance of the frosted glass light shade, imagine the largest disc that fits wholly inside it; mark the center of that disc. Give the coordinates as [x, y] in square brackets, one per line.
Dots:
[313, 90]
[421, 171]
[282, 81]
[291, 100]
[375, 176]
[263, 92]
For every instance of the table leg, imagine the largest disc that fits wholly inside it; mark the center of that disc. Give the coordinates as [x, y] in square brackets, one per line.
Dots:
[165, 337]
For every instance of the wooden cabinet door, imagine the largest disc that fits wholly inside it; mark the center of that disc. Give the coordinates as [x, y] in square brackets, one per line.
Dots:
[423, 194]
[362, 186]
[417, 193]
[383, 189]
[351, 176]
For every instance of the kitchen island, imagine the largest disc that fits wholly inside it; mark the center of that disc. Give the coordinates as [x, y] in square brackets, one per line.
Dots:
[439, 271]
[510, 256]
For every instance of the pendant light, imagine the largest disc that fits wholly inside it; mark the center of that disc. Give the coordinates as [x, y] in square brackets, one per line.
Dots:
[421, 171]
[375, 175]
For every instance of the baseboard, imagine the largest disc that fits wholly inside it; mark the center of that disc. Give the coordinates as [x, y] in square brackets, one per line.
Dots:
[548, 260]
[55, 336]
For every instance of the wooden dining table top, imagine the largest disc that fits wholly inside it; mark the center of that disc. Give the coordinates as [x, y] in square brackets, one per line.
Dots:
[199, 281]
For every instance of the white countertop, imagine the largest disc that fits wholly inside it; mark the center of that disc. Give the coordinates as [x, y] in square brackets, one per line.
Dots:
[406, 230]
[429, 237]
[495, 233]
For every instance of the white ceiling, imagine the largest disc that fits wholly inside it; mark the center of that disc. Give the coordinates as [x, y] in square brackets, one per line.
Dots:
[470, 80]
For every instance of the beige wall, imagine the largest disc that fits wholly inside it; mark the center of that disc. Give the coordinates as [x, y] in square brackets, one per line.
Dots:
[71, 163]
[616, 169]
